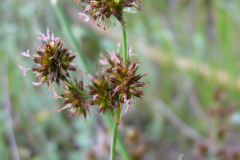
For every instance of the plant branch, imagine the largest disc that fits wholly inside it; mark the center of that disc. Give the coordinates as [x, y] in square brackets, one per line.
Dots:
[177, 122]
[124, 43]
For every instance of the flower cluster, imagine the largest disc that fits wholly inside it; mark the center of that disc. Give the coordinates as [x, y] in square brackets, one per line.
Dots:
[101, 89]
[125, 81]
[74, 99]
[104, 9]
[53, 61]
[117, 84]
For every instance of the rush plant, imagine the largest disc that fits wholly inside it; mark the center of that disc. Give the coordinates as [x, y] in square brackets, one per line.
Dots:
[117, 83]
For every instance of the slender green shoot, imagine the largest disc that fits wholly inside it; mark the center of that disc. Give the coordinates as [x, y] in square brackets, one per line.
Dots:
[114, 132]
[125, 56]
[120, 146]
[77, 89]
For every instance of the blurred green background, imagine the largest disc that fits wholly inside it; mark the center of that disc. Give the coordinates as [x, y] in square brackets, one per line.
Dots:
[189, 49]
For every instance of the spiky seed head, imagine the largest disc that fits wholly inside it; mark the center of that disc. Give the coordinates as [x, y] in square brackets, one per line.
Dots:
[101, 89]
[75, 100]
[53, 60]
[127, 83]
[104, 9]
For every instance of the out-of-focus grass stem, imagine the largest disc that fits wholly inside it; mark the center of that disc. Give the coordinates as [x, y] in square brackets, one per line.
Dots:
[8, 121]
[67, 31]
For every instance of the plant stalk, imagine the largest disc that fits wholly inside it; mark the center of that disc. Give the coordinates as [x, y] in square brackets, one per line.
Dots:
[120, 146]
[118, 112]
[125, 56]
[114, 132]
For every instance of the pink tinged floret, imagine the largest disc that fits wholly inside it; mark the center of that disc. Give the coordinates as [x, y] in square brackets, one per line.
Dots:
[95, 97]
[45, 38]
[48, 34]
[67, 106]
[84, 15]
[91, 77]
[26, 54]
[37, 45]
[56, 96]
[54, 39]
[37, 83]
[117, 59]
[72, 112]
[130, 52]
[127, 101]
[103, 61]
[24, 70]
[118, 44]
[128, 10]
[112, 55]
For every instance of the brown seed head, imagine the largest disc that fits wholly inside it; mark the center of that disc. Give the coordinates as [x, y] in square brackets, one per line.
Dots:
[53, 60]
[75, 100]
[104, 9]
[101, 89]
[127, 83]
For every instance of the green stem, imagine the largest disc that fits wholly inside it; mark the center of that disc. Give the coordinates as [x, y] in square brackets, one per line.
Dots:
[68, 33]
[120, 146]
[77, 89]
[114, 132]
[124, 43]
[118, 112]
